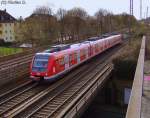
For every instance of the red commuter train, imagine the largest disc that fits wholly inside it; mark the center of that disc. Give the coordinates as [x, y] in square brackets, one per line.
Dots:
[59, 59]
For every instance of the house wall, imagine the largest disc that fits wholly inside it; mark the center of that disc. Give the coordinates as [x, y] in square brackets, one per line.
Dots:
[1, 31]
[7, 32]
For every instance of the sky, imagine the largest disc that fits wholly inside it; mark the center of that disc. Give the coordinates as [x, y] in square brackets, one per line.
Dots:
[26, 8]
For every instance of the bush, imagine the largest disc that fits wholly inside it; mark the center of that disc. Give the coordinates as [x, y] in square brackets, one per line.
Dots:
[124, 69]
[125, 63]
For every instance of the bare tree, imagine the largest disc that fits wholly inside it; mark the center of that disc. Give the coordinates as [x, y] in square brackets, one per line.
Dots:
[24, 32]
[42, 27]
[43, 10]
[100, 15]
[77, 18]
[61, 13]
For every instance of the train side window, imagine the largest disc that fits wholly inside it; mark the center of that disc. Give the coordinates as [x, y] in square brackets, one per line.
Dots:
[61, 61]
[82, 52]
[75, 55]
[66, 59]
[71, 57]
[86, 51]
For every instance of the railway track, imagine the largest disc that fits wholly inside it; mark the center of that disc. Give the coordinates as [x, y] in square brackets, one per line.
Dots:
[21, 59]
[15, 62]
[14, 69]
[22, 91]
[17, 72]
[56, 103]
[19, 96]
[28, 100]
[14, 90]
[17, 67]
[59, 90]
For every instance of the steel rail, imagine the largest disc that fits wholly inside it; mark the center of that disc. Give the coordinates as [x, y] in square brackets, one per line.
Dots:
[4, 95]
[46, 91]
[16, 60]
[53, 103]
[70, 85]
[11, 65]
[16, 115]
[78, 92]
[74, 106]
[18, 93]
[18, 98]
[29, 102]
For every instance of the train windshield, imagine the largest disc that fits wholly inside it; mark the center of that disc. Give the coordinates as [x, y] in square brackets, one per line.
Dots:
[40, 63]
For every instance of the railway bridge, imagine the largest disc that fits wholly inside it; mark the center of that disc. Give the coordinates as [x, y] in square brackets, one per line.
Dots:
[67, 97]
[139, 101]
[70, 96]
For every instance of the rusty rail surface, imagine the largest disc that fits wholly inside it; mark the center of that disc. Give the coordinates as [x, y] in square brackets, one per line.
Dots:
[134, 106]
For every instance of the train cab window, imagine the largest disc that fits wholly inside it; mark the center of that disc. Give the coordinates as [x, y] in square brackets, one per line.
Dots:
[61, 61]
[40, 63]
[57, 62]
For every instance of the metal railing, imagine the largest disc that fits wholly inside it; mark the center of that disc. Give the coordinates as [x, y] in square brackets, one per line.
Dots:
[134, 106]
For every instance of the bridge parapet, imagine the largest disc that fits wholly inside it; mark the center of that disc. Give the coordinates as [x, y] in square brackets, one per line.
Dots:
[134, 106]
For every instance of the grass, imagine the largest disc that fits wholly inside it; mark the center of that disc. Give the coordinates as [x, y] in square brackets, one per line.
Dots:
[4, 51]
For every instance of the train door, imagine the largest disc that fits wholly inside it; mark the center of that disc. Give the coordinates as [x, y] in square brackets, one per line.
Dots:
[78, 56]
[90, 50]
[87, 52]
[66, 61]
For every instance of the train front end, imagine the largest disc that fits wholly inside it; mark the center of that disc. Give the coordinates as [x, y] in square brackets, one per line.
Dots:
[40, 66]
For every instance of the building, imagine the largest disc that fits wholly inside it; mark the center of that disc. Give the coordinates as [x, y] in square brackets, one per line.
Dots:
[7, 23]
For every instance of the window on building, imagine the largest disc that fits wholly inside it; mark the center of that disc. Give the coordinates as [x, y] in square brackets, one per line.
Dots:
[6, 38]
[10, 31]
[6, 31]
[10, 24]
[10, 38]
[2, 18]
[5, 24]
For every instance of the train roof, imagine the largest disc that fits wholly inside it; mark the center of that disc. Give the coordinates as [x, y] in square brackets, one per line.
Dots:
[41, 53]
[93, 38]
[61, 48]
[57, 48]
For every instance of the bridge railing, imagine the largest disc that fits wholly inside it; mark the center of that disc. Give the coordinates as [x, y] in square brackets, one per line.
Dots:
[134, 106]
